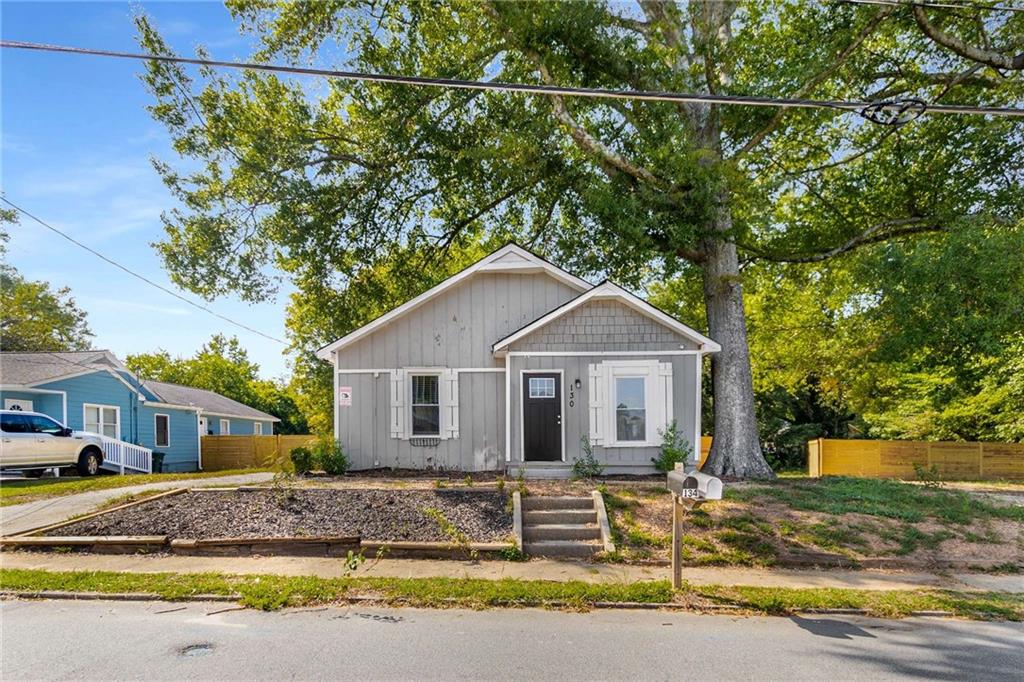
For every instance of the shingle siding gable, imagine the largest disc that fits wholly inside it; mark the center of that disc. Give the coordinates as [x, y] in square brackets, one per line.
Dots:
[603, 326]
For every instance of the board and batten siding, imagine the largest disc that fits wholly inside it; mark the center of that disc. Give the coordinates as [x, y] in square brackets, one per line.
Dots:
[456, 330]
[458, 327]
[364, 426]
[576, 418]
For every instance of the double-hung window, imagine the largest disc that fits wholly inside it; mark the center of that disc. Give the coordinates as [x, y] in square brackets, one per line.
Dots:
[426, 404]
[225, 427]
[257, 429]
[630, 409]
[102, 419]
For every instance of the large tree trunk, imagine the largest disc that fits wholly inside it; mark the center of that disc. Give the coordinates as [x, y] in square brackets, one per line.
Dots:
[736, 450]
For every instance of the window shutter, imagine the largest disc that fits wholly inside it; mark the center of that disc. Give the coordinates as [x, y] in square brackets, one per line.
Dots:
[664, 390]
[596, 390]
[398, 403]
[450, 404]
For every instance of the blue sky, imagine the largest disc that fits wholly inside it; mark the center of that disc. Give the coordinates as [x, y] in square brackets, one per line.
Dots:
[76, 147]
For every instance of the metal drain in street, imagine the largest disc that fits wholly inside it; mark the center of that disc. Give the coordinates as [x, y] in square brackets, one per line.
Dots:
[194, 650]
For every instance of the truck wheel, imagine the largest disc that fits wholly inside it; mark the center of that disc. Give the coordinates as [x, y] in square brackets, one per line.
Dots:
[88, 463]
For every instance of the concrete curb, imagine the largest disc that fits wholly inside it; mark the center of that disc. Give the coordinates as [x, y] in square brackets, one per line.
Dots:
[369, 599]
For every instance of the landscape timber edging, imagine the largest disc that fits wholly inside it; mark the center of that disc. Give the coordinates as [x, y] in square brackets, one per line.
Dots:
[75, 519]
[97, 544]
[330, 546]
[433, 550]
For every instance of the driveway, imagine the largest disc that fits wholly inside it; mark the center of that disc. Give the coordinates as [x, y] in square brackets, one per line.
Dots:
[19, 518]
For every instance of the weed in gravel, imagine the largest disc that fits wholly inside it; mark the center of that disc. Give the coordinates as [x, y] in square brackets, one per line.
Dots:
[499, 483]
[451, 531]
[468, 481]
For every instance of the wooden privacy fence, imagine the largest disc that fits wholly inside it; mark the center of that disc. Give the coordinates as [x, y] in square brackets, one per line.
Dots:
[249, 452]
[897, 459]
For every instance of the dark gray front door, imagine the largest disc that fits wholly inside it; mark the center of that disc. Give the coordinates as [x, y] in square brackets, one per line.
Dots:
[542, 417]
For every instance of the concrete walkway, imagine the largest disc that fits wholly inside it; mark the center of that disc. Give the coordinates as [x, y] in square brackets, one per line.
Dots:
[537, 569]
[18, 518]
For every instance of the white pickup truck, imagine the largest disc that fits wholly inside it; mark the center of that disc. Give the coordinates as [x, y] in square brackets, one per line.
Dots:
[32, 442]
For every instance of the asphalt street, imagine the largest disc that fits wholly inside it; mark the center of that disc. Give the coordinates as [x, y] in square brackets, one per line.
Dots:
[94, 640]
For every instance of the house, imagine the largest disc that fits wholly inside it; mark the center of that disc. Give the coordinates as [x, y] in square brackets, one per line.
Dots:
[93, 391]
[512, 364]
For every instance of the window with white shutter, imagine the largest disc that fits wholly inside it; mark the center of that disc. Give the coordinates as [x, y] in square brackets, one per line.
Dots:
[630, 402]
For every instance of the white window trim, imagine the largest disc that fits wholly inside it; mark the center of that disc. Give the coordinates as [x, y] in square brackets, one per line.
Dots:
[156, 431]
[439, 373]
[101, 406]
[221, 430]
[255, 426]
[648, 371]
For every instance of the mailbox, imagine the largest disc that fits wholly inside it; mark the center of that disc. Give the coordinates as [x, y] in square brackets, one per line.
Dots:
[694, 485]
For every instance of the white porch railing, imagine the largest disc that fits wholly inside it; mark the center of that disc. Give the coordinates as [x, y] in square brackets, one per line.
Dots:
[119, 455]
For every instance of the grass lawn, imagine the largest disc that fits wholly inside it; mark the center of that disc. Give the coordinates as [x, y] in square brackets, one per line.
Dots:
[273, 592]
[855, 518]
[16, 492]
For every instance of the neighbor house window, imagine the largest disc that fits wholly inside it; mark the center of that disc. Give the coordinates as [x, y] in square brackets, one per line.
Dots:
[257, 429]
[163, 430]
[426, 405]
[103, 419]
[542, 387]
[225, 427]
[630, 409]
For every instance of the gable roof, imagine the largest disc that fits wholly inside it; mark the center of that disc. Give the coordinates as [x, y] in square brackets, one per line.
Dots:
[207, 401]
[24, 368]
[605, 291]
[509, 258]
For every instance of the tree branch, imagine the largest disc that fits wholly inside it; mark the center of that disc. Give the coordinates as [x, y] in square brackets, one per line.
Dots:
[817, 79]
[609, 159]
[879, 232]
[975, 54]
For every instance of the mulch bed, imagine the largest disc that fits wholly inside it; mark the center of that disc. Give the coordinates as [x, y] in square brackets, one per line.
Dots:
[391, 515]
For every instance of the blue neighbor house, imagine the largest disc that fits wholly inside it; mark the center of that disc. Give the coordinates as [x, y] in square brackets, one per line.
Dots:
[92, 391]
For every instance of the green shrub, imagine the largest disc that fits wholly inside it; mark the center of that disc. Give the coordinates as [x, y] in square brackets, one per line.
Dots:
[331, 457]
[302, 460]
[674, 449]
[586, 466]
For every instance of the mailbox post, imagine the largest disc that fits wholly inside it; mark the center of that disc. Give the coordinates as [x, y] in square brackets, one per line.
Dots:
[690, 489]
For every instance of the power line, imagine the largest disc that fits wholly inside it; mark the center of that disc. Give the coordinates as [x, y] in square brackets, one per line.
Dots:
[941, 5]
[137, 275]
[869, 110]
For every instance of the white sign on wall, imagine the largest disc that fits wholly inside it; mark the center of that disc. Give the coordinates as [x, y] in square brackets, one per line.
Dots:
[345, 396]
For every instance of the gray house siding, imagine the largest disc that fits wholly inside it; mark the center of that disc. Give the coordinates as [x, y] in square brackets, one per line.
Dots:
[457, 328]
[576, 417]
[364, 427]
[603, 326]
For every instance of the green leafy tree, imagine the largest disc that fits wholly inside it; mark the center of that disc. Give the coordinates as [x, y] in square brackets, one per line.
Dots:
[33, 316]
[324, 180]
[222, 365]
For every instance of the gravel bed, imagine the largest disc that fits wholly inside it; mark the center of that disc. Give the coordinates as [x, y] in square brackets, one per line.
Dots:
[374, 514]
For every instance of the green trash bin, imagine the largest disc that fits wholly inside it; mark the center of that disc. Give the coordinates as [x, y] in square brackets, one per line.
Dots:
[158, 462]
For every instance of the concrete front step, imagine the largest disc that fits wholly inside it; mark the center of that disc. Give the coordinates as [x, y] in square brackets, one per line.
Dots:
[557, 548]
[559, 516]
[553, 502]
[561, 531]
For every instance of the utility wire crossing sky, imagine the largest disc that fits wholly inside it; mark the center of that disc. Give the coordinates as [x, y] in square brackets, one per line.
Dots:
[901, 110]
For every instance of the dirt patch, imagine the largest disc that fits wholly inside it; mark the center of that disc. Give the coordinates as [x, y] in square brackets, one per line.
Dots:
[751, 528]
[391, 515]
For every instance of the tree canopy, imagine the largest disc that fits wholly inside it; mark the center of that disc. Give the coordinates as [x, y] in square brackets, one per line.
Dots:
[33, 316]
[222, 365]
[325, 182]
